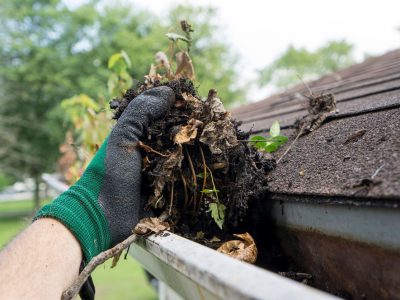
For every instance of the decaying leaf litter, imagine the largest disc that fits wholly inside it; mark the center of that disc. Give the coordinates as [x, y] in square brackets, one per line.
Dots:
[197, 163]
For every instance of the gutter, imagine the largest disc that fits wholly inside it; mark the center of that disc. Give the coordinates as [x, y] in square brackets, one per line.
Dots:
[188, 270]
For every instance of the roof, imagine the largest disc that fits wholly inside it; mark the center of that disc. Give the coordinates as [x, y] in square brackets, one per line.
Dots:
[356, 152]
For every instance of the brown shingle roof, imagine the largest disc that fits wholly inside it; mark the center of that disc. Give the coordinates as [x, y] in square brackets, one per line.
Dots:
[342, 156]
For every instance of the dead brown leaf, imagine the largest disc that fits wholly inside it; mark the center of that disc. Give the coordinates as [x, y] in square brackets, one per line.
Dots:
[215, 239]
[171, 163]
[212, 133]
[188, 132]
[150, 225]
[244, 249]
[184, 65]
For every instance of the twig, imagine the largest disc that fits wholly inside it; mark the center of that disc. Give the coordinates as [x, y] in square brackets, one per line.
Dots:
[193, 175]
[172, 197]
[147, 148]
[214, 187]
[184, 190]
[73, 290]
[377, 171]
[204, 175]
[290, 146]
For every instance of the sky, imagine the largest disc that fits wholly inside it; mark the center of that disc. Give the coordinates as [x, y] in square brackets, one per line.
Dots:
[260, 31]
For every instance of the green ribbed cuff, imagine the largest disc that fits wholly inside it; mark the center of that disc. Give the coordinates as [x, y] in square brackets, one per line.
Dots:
[83, 217]
[79, 210]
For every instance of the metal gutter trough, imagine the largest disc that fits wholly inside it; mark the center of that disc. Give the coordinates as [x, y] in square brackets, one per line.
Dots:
[350, 246]
[196, 272]
[190, 271]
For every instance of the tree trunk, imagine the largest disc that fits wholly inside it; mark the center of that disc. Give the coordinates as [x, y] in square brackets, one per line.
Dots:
[36, 196]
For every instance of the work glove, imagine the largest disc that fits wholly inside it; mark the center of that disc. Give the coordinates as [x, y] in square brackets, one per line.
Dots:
[105, 204]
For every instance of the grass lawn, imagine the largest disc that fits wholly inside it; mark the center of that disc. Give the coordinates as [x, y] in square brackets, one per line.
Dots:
[126, 281]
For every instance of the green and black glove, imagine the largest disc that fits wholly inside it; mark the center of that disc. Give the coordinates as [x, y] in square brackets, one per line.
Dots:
[103, 206]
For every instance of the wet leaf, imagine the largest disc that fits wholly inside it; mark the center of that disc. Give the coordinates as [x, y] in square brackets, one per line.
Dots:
[167, 168]
[244, 249]
[275, 129]
[150, 225]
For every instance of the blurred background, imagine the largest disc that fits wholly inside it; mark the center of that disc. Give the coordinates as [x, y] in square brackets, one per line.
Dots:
[62, 62]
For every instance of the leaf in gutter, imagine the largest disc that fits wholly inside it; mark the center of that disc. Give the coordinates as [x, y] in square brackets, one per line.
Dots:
[258, 141]
[217, 212]
[150, 225]
[244, 249]
[272, 147]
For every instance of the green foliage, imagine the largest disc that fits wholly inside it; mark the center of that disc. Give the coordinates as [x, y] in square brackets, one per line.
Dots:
[295, 62]
[272, 143]
[217, 213]
[120, 80]
[51, 52]
[4, 181]
[175, 37]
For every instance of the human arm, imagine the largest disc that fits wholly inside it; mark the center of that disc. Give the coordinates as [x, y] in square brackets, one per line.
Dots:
[40, 262]
[103, 206]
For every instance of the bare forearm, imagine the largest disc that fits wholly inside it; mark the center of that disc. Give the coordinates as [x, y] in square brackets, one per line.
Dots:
[40, 263]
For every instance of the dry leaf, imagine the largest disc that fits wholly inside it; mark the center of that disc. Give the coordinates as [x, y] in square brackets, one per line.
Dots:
[212, 133]
[200, 235]
[217, 108]
[244, 249]
[188, 132]
[184, 65]
[172, 162]
[116, 259]
[215, 239]
[162, 59]
[150, 225]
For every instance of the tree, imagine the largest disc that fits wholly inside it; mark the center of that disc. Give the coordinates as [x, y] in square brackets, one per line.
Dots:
[284, 71]
[51, 52]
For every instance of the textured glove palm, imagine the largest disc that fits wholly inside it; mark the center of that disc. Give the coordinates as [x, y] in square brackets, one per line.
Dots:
[103, 206]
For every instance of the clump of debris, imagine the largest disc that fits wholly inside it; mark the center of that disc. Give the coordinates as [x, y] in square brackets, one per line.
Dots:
[198, 163]
[199, 166]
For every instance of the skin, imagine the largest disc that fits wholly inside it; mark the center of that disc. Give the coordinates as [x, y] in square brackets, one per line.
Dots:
[40, 263]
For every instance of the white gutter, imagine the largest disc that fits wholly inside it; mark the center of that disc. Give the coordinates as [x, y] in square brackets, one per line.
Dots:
[196, 272]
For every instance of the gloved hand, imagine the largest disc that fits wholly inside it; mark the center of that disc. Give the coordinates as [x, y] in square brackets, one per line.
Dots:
[103, 206]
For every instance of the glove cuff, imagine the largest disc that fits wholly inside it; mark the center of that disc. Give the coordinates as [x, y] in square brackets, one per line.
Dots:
[79, 210]
[83, 217]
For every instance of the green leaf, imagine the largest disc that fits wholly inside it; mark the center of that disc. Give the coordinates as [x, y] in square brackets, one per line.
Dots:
[114, 59]
[119, 62]
[275, 129]
[272, 147]
[174, 37]
[126, 58]
[217, 213]
[258, 141]
[280, 139]
[209, 191]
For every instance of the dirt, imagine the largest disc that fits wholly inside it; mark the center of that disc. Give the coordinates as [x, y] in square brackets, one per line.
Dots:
[198, 165]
